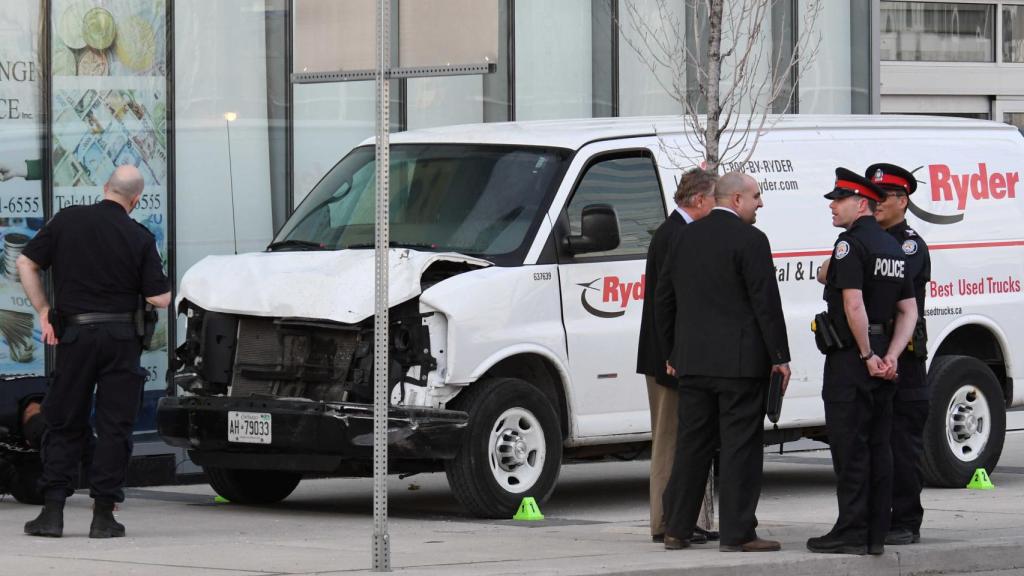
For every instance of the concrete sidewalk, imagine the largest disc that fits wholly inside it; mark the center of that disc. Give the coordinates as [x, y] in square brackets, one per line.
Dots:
[596, 524]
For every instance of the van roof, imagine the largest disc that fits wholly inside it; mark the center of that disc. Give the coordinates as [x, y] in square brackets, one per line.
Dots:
[575, 133]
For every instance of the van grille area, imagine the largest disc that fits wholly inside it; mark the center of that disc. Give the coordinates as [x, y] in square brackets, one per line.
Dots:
[275, 358]
[321, 360]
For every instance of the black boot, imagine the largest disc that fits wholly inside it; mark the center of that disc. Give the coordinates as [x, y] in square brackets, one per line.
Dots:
[50, 521]
[103, 523]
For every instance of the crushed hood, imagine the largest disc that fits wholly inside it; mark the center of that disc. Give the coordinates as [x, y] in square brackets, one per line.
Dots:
[325, 285]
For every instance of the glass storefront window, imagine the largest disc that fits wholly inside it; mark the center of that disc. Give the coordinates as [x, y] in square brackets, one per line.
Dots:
[1015, 119]
[222, 151]
[444, 101]
[937, 32]
[21, 173]
[109, 108]
[1013, 33]
[826, 86]
[553, 65]
[330, 120]
[643, 91]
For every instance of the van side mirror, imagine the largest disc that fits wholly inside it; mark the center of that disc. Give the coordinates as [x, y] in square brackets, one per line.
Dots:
[599, 231]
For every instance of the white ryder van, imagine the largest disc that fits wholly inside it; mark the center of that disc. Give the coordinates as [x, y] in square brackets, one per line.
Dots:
[514, 327]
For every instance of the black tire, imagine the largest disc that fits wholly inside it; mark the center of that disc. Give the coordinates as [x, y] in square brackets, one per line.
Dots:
[252, 486]
[24, 484]
[470, 473]
[945, 431]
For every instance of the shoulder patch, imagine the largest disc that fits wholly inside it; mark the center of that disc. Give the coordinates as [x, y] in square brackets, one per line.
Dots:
[842, 249]
[910, 247]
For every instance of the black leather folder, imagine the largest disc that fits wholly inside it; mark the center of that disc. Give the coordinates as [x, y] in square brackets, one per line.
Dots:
[773, 403]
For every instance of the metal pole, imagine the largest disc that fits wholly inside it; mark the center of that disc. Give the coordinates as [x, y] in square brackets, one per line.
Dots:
[381, 544]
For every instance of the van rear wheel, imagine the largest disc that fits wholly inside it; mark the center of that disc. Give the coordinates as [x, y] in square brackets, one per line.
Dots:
[511, 449]
[966, 422]
[252, 486]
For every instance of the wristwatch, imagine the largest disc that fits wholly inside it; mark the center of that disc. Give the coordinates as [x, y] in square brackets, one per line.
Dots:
[867, 356]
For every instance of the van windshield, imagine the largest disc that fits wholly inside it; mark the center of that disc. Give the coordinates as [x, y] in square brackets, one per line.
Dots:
[475, 199]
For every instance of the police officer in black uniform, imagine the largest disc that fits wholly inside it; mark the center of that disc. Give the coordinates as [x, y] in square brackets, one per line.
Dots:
[103, 264]
[910, 407]
[871, 310]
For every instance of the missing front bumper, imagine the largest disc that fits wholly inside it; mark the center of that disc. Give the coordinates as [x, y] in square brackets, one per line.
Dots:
[307, 436]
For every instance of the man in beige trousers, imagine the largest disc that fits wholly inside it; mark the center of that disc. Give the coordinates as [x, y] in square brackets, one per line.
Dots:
[694, 199]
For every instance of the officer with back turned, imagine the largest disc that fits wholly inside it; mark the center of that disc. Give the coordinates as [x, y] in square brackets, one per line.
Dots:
[910, 407]
[870, 317]
[103, 263]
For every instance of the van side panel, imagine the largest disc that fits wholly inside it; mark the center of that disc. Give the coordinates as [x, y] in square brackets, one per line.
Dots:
[968, 207]
[493, 313]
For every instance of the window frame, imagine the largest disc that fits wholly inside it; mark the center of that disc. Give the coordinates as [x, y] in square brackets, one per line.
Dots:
[996, 42]
[563, 227]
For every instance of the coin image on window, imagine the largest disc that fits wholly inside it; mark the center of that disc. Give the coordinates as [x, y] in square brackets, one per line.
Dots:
[93, 63]
[70, 28]
[98, 29]
[136, 44]
[64, 63]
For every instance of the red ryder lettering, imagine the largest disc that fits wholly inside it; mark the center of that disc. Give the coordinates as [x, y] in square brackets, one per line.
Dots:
[622, 292]
[981, 185]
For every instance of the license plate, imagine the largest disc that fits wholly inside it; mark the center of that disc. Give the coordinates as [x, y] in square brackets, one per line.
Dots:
[249, 427]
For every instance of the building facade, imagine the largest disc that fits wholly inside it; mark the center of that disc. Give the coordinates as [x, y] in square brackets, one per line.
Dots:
[953, 58]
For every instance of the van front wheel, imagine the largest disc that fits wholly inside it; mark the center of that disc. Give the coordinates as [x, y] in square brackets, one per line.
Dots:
[252, 486]
[966, 422]
[511, 449]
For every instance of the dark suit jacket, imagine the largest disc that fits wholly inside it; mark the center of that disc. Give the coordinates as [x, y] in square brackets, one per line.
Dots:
[717, 301]
[650, 356]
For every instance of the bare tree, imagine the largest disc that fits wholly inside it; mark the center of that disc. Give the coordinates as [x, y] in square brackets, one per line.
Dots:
[720, 60]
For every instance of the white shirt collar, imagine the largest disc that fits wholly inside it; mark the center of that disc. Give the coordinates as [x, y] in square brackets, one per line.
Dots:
[686, 215]
[726, 209]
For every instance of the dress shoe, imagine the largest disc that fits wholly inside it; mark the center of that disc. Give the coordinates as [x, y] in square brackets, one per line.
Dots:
[901, 537]
[876, 549]
[755, 545]
[103, 523]
[659, 538]
[710, 535]
[50, 521]
[673, 543]
[831, 544]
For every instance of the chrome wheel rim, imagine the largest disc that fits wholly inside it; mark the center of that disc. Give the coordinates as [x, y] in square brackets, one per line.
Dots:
[516, 450]
[968, 423]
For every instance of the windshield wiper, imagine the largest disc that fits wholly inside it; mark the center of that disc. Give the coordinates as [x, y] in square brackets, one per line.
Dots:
[297, 244]
[394, 244]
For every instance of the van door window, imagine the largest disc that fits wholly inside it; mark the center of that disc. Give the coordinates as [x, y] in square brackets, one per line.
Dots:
[629, 184]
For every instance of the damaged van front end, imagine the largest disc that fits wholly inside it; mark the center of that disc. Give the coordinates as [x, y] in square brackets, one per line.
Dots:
[272, 383]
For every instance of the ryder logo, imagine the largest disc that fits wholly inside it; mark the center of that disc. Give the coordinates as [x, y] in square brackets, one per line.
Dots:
[960, 188]
[616, 295]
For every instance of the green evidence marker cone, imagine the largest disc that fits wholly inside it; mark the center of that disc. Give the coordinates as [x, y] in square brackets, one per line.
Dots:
[221, 500]
[980, 481]
[528, 510]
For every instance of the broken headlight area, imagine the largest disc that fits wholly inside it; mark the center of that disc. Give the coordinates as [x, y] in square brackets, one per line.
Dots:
[251, 356]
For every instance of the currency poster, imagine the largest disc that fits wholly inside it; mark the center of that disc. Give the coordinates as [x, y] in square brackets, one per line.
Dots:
[21, 191]
[109, 107]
